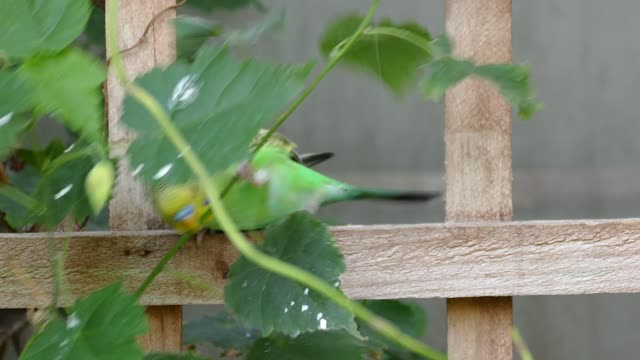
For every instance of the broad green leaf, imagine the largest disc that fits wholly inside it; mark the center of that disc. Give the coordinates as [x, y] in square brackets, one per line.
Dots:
[38, 168]
[408, 317]
[12, 126]
[441, 46]
[445, 72]
[16, 98]
[15, 93]
[192, 32]
[268, 302]
[69, 85]
[318, 345]
[222, 330]
[103, 325]
[19, 208]
[61, 189]
[40, 158]
[28, 27]
[514, 85]
[512, 81]
[209, 5]
[172, 356]
[395, 61]
[218, 103]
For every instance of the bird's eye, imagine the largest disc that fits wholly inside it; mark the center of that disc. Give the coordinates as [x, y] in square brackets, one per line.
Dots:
[184, 213]
[206, 202]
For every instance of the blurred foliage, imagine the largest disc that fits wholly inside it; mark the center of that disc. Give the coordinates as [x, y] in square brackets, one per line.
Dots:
[394, 61]
[103, 325]
[218, 103]
[397, 54]
[274, 304]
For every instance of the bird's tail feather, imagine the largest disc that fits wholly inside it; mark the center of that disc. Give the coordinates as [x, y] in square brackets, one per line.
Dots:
[355, 193]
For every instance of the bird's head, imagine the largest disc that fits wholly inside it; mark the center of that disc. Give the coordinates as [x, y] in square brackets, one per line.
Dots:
[183, 206]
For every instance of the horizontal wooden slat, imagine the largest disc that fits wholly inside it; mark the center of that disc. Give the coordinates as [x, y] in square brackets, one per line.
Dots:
[383, 261]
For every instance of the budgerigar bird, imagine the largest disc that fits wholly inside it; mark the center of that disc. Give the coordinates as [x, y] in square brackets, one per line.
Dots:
[277, 186]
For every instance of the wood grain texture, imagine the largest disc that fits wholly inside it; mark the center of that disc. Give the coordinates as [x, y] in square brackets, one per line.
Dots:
[477, 119]
[130, 208]
[481, 315]
[478, 166]
[383, 261]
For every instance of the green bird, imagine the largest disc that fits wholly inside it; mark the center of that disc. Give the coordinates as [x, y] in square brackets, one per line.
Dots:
[276, 183]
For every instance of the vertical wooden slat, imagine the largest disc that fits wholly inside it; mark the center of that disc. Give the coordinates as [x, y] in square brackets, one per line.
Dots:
[130, 208]
[478, 167]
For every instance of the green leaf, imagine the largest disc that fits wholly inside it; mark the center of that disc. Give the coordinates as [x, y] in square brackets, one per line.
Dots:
[441, 46]
[222, 330]
[103, 325]
[218, 103]
[395, 61]
[69, 85]
[11, 129]
[19, 208]
[408, 317]
[16, 98]
[172, 356]
[53, 180]
[14, 92]
[514, 85]
[318, 345]
[40, 158]
[61, 189]
[445, 72]
[512, 81]
[192, 32]
[28, 27]
[268, 302]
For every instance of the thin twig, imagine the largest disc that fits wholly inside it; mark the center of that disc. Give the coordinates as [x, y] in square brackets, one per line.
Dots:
[521, 346]
[161, 264]
[147, 29]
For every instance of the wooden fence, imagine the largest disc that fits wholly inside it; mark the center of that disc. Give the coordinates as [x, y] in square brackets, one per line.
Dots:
[477, 259]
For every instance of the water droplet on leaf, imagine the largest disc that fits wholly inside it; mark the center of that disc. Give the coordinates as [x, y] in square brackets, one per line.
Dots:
[163, 171]
[5, 119]
[64, 191]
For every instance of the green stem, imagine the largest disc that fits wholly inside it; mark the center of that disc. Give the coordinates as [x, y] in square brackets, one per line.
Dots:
[521, 346]
[344, 48]
[401, 34]
[16, 195]
[332, 63]
[235, 236]
[161, 264]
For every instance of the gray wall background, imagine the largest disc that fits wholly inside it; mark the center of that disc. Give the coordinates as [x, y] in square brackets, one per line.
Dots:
[576, 159]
